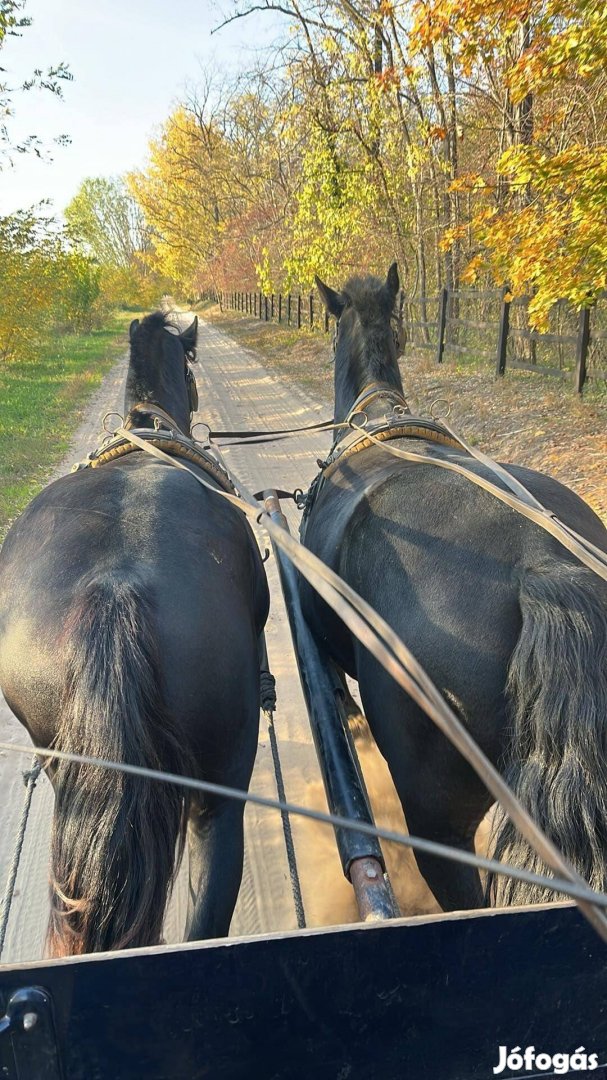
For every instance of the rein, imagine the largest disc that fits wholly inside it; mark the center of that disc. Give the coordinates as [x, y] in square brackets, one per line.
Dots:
[376, 634]
[403, 425]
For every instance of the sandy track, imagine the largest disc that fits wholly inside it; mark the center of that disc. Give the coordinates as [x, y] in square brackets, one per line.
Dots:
[236, 391]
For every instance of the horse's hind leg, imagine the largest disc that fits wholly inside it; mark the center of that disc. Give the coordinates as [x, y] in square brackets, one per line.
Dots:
[216, 851]
[442, 798]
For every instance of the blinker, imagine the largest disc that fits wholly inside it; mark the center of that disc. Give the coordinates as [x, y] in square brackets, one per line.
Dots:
[192, 390]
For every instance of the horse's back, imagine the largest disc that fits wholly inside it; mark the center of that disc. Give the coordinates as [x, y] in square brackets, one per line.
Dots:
[143, 525]
[440, 558]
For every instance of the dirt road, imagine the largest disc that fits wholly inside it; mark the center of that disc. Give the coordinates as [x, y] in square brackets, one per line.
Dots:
[236, 391]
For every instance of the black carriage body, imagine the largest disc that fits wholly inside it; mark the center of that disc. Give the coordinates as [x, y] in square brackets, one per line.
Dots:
[413, 999]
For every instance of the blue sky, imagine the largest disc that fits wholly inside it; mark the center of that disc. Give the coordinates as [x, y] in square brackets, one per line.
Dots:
[131, 60]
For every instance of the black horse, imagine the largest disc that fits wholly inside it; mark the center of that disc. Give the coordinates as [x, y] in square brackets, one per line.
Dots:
[511, 627]
[131, 607]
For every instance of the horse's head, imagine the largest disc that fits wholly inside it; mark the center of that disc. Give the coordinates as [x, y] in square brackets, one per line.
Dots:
[368, 337]
[159, 369]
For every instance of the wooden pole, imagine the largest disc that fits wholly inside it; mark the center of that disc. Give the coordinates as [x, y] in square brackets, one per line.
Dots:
[581, 352]
[502, 337]
[442, 323]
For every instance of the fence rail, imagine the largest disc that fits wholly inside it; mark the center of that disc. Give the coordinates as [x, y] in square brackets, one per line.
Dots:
[480, 324]
[294, 310]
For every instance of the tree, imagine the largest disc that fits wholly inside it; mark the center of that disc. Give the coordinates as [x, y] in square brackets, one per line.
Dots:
[541, 225]
[466, 139]
[106, 218]
[12, 22]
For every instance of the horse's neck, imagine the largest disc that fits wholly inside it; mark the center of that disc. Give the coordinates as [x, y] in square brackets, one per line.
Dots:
[352, 380]
[176, 410]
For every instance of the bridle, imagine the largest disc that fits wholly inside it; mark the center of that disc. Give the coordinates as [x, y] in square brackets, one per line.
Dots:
[191, 387]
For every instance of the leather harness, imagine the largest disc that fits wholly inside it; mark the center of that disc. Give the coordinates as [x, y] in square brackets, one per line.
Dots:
[398, 423]
[166, 435]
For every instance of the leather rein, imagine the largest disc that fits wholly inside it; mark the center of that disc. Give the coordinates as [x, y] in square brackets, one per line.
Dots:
[402, 425]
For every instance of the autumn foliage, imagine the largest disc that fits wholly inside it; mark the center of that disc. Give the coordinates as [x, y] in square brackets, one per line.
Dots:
[466, 138]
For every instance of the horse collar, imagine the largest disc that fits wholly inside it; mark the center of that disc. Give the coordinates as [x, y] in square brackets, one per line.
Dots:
[166, 435]
[161, 418]
[401, 424]
[378, 389]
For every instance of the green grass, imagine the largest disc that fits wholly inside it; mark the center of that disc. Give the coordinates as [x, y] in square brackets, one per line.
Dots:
[43, 400]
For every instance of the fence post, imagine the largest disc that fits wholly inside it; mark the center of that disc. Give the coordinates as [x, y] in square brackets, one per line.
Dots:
[326, 321]
[289, 309]
[502, 337]
[442, 323]
[280, 307]
[299, 312]
[311, 310]
[272, 308]
[260, 305]
[581, 352]
[265, 308]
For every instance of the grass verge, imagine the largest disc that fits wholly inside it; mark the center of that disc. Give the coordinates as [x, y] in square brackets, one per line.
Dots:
[42, 403]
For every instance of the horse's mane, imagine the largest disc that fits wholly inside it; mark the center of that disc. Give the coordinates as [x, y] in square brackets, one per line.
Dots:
[146, 334]
[363, 292]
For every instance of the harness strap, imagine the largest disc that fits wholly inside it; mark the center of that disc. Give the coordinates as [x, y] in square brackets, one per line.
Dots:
[267, 436]
[383, 643]
[584, 550]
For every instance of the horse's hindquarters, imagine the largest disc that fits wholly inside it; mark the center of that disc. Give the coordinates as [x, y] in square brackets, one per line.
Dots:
[132, 603]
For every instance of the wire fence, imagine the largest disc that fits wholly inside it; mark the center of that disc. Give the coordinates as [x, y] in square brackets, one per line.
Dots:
[468, 325]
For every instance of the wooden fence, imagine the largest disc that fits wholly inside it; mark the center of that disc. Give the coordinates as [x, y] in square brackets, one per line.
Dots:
[484, 325]
[291, 310]
[470, 324]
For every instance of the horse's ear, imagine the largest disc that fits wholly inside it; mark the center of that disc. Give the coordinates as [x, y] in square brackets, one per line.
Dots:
[392, 280]
[132, 328]
[188, 337]
[333, 301]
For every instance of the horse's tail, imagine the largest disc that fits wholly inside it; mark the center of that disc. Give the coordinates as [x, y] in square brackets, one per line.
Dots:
[113, 856]
[557, 686]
